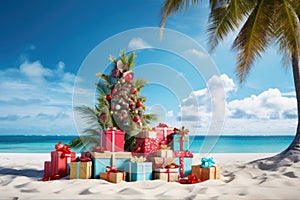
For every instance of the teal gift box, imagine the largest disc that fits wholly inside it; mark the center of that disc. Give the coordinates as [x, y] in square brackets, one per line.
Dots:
[187, 165]
[102, 160]
[138, 171]
[178, 141]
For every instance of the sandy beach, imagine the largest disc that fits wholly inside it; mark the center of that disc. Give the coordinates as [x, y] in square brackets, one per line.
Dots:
[21, 174]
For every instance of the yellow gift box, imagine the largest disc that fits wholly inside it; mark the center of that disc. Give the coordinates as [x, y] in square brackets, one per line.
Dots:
[81, 170]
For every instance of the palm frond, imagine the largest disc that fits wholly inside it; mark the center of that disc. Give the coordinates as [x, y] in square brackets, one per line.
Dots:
[149, 118]
[287, 29]
[107, 79]
[225, 17]
[130, 61]
[89, 115]
[173, 6]
[253, 38]
[102, 89]
[139, 84]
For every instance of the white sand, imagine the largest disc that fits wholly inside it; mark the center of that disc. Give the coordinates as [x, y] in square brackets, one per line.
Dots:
[20, 175]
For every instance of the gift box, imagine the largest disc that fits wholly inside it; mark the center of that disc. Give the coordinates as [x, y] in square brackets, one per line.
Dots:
[60, 160]
[163, 132]
[165, 153]
[180, 142]
[113, 139]
[102, 160]
[81, 170]
[206, 173]
[138, 171]
[47, 170]
[147, 145]
[166, 174]
[185, 160]
[147, 134]
[160, 162]
[113, 175]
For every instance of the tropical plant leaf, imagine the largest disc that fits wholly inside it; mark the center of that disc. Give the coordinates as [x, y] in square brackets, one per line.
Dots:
[130, 60]
[139, 84]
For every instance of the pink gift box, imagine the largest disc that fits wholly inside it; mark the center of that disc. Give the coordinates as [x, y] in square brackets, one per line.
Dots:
[113, 140]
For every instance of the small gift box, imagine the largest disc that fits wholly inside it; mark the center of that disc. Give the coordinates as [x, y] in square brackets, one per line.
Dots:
[166, 174]
[138, 170]
[101, 160]
[47, 170]
[113, 175]
[206, 170]
[82, 169]
[113, 139]
[60, 160]
[163, 131]
[164, 151]
[181, 140]
[160, 162]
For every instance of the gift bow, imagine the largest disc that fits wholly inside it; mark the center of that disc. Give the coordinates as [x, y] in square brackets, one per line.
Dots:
[164, 147]
[172, 166]
[64, 148]
[112, 169]
[83, 159]
[182, 132]
[138, 159]
[207, 162]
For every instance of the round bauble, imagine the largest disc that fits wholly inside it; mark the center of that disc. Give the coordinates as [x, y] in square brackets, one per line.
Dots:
[139, 104]
[108, 97]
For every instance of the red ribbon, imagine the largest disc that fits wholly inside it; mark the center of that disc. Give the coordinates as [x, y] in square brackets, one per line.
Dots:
[182, 155]
[64, 148]
[171, 166]
[192, 179]
[168, 172]
[83, 159]
[112, 170]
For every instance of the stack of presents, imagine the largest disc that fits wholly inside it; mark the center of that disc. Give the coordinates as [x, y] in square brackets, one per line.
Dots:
[161, 153]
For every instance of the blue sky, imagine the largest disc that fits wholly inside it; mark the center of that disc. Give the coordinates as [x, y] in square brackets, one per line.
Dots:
[44, 43]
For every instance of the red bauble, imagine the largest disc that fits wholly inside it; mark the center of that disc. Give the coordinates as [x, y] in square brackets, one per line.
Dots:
[128, 75]
[133, 91]
[108, 97]
[132, 107]
[103, 118]
[139, 104]
[136, 118]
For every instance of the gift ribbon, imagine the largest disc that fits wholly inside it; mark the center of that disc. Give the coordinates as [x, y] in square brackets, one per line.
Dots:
[182, 155]
[112, 170]
[192, 178]
[207, 162]
[168, 173]
[138, 159]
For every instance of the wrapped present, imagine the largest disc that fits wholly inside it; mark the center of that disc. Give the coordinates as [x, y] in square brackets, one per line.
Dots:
[206, 173]
[60, 160]
[166, 174]
[47, 170]
[164, 151]
[163, 132]
[147, 145]
[181, 140]
[206, 170]
[147, 133]
[138, 170]
[185, 160]
[114, 159]
[81, 169]
[160, 162]
[113, 175]
[113, 139]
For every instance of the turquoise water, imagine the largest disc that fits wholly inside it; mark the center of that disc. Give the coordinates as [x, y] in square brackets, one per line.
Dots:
[198, 144]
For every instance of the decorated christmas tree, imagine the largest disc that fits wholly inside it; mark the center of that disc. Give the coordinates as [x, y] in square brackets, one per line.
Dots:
[119, 104]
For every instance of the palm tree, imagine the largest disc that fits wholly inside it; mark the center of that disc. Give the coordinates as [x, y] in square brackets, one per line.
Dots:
[259, 22]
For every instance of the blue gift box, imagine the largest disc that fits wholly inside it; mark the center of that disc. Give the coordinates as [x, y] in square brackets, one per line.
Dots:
[138, 171]
[102, 160]
[187, 165]
[176, 143]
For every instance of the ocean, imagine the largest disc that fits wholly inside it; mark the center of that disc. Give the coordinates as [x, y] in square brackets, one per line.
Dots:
[198, 144]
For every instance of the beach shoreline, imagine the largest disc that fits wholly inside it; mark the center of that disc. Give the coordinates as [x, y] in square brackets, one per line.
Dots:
[21, 174]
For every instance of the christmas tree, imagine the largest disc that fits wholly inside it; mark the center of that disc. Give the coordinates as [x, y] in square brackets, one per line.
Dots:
[119, 104]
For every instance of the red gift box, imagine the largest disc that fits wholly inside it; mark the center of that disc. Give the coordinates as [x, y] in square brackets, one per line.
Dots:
[113, 140]
[147, 145]
[47, 170]
[60, 158]
[163, 132]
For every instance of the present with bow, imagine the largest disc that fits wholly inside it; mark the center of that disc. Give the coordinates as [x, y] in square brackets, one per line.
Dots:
[164, 132]
[112, 139]
[206, 170]
[113, 175]
[169, 173]
[164, 151]
[138, 170]
[180, 140]
[113, 159]
[81, 169]
[185, 160]
[60, 160]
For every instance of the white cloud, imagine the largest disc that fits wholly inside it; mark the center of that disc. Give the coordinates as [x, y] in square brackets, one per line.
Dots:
[251, 115]
[195, 52]
[170, 113]
[138, 43]
[36, 99]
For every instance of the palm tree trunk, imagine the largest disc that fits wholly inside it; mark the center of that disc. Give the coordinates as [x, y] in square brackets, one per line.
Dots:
[295, 145]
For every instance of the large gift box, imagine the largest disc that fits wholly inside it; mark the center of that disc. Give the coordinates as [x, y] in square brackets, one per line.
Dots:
[166, 174]
[206, 173]
[113, 139]
[185, 160]
[60, 160]
[81, 170]
[138, 171]
[113, 175]
[102, 160]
